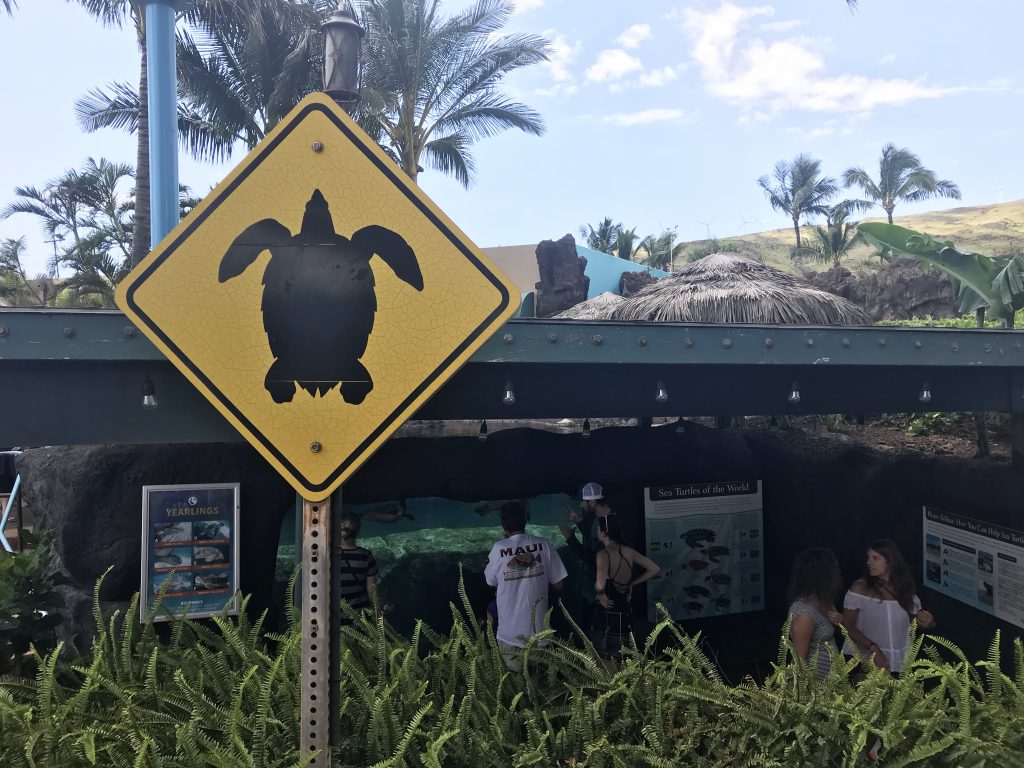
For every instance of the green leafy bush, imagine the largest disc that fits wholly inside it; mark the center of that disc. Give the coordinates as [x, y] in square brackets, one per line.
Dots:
[29, 603]
[229, 696]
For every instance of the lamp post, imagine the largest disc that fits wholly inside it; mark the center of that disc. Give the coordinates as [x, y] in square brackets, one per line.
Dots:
[321, 672]
[343, 38]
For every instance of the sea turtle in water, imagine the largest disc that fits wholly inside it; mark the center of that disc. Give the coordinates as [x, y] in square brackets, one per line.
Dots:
[318, 298]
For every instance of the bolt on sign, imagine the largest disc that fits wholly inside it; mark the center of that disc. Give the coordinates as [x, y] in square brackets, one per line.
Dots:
[317, 297]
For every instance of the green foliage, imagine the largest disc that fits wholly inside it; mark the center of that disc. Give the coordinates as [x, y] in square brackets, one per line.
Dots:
[29, 604]
[227, 695]
[993, 283]
[714, 245]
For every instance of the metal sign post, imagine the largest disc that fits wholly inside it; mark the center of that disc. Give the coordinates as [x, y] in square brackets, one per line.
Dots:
[317, 700]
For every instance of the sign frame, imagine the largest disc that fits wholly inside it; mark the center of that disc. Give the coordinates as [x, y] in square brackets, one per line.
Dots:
[506, 301]
[232, 606]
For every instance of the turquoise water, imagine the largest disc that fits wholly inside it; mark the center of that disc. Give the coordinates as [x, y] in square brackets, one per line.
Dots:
[422, 546]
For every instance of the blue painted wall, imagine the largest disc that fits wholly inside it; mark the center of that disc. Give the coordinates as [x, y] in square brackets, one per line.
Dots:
[605, 271]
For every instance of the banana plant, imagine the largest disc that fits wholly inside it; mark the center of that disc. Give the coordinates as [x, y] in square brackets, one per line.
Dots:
[987, 283]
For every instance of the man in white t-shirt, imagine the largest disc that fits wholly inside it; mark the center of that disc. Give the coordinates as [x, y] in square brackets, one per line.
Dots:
[522, 567]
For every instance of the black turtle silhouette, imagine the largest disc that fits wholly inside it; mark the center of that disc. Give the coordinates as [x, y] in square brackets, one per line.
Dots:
[318, 298]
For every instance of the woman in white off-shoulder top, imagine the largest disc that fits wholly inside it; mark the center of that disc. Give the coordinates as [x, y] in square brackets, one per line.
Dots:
[878, 608]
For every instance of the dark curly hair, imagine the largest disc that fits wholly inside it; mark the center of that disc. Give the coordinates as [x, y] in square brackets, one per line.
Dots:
[815, 574]
[901, 583]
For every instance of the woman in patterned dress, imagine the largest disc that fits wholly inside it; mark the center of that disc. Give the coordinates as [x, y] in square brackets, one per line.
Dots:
[815, 581]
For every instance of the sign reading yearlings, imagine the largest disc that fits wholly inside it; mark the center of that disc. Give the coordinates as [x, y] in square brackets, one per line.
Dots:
[708, 539]
[975, 562]
[190, 546]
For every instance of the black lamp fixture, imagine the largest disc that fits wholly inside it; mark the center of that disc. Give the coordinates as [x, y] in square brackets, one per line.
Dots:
[586, 428]
[149, 395]
[483, 430]
[794, 393]
[925, 395]
[343, 38]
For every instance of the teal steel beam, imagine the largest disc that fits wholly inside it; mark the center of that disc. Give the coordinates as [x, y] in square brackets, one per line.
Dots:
[77, 377]
[107, 335]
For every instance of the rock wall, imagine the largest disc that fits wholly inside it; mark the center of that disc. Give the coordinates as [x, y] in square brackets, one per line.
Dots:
[562, 281]
[897, 291]
[826, 490]
[91, 498]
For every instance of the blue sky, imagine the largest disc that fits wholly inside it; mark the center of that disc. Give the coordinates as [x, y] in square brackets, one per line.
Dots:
[659, 114]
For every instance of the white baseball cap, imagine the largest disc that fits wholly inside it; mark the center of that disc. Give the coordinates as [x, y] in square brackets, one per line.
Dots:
[592, 491]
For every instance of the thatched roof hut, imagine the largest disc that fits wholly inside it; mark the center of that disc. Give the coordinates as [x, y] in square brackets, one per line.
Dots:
[728, 288]
[598, 308]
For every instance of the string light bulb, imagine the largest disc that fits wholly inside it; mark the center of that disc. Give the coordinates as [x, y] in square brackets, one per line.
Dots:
[926, 393]
[149, 401]
[794, 393]
[662, 394]
[510, 394]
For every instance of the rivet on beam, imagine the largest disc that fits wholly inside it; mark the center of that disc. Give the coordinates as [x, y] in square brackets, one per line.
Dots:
[598, 339]
[318, 146]
[918, 345]
[688, 342]
[769, 343]
[988, 347]
[508, 338]
[846, 341]
[552, 338]
[955, 346]
[642, 341]
[129, 331]
[810, 342]
[727, 343]
[3, 330]
[882, 342]
[69, 332]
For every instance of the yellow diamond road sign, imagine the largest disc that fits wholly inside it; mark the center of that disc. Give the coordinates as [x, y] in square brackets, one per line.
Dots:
[317, 297]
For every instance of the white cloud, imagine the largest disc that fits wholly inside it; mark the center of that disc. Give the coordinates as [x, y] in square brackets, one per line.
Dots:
[635, 35]
[765, 79]
[611, 65]
[889, 58]
[656, 78]
[782, 26]
[522, 6]
[644, 117]
[559, 66]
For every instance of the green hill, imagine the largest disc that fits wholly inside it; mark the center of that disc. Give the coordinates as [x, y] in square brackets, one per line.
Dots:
[996, 229]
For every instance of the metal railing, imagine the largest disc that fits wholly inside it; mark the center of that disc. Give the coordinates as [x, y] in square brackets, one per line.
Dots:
[8, 507]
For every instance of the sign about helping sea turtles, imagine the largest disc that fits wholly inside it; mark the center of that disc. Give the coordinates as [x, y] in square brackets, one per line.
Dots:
[317, 297]
[975, 562]
[190, 549]
[708, 539]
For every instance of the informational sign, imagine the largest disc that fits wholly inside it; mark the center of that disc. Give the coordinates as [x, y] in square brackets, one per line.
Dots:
[708, 539]
[190, 549]
[975, 562]
[317, 298]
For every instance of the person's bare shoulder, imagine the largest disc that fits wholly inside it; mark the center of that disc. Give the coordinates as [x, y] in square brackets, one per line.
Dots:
[860, 587]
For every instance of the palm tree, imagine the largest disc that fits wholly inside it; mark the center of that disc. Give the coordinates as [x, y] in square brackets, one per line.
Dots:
[661, 251]
[115, 13]
[901, 178]
[15, 285]
[627, 244]
[604, 238]
[799, 191]
[431, 86]
[86, 207]
[836, 238]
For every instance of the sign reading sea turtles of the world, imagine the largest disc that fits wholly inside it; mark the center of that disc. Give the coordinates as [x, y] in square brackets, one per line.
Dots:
[317, 297]
[708, 539]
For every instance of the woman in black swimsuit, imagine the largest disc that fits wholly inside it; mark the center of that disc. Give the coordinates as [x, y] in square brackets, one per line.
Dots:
[616, 564]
